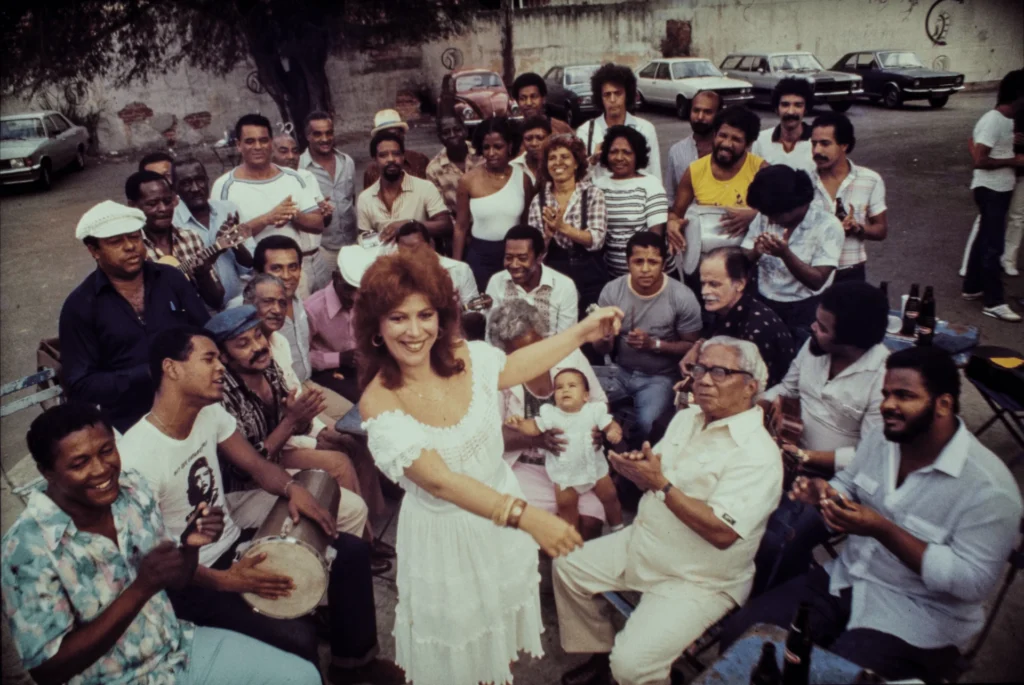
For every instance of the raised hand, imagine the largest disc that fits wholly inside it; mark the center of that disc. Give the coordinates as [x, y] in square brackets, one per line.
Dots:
[208, 527]
[603, 322]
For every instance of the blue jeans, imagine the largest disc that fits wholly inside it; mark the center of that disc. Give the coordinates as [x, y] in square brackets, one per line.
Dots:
[652, 395]
[223, 657]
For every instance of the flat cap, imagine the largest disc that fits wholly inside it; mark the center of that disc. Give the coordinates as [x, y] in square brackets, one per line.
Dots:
[109, 219]
[231, 323]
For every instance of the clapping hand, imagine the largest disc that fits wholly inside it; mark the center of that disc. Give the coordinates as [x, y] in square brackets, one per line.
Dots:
[769, 243]
[303, 408]
[643, 467]
[284, 212]
[207, 528]
[639, 340]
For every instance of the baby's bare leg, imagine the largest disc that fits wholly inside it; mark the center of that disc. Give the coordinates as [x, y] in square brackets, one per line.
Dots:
[568, 501]
[605, 491]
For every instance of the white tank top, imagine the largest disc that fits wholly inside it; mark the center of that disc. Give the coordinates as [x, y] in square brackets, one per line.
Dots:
[494, 214]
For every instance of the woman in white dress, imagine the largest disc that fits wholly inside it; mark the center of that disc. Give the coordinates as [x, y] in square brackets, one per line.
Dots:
[468, 591]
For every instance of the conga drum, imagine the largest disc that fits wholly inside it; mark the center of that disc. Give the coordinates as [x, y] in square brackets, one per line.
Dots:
[296, 550]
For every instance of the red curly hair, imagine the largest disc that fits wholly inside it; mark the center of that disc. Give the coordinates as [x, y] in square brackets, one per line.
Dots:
[386, 285]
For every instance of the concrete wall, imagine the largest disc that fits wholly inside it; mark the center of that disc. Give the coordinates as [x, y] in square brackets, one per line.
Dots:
[985, 39]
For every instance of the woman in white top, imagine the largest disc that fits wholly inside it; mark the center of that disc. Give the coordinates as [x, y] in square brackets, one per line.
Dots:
[468, 589]
[490, 199]
[634, 201]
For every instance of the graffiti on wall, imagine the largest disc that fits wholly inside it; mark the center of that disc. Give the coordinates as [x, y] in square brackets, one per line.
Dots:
[938, 20]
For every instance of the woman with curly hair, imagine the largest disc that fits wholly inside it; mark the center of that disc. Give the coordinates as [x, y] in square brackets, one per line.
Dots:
[570, 212]
[634, 200]
[468, 588]
[490, 199]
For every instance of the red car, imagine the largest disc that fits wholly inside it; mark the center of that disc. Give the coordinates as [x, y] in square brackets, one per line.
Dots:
[479, 94]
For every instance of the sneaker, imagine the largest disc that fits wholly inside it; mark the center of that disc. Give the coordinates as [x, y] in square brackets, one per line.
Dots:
[1010, 270]
[970, 297]
[1002, 312]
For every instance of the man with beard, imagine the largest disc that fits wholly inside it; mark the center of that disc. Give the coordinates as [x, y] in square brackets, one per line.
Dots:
[720, 179]
[530, 93]
[536, 131]
[188, 426]
[335, 173]
[703, 108]
[106, 323]
[856, 194]
[212, 220]
[931, 516]
[662, 322]
[150, 192]
[794, 243]
[788, 143]
[397, 197]
[413, 163]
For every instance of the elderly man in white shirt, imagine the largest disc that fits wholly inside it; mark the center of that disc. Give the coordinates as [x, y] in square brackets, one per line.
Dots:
[525, 277]
[932, 516]
[711, 484]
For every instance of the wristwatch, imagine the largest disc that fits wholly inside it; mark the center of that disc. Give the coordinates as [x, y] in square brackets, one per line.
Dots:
[661, 494]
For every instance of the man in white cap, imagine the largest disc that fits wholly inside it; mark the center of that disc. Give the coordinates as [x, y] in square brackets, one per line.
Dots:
[415, 162]
[107, 322]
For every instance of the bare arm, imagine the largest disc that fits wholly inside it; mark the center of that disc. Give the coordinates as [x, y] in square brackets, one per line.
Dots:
[814, 277]
[700, 518]
[309, 222]
[876, 227]
[439, 224]
[684, 196]
[462, 220]
[980, 154]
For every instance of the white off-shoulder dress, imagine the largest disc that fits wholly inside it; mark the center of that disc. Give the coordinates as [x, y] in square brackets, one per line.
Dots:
[468, 592]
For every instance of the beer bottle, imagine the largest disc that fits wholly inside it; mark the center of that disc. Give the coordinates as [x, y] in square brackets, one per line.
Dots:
[840, 210]
[796, 664]
[884, 287]
[767, 670]
[911, 312]
[926, 320]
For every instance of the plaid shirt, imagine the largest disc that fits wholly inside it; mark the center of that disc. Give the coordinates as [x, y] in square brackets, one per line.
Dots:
[185, 247]
[596, 224]
[445, 174]
[862, 193]
[256, 420]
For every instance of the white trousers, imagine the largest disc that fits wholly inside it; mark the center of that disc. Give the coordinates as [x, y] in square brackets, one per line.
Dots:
[1014, 231]
[250, 507]
[658, 631]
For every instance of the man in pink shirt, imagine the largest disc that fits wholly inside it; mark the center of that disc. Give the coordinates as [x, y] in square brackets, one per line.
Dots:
[329, 310]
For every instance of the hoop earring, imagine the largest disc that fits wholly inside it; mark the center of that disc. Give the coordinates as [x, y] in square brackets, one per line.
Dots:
[374, 340]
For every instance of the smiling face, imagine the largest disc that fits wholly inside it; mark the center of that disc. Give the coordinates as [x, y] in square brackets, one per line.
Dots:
[286, 265]
[410, 331]
[791, 111]
[286, 152]
[248, 353]
[496, 152]
[121, 256]
[521, 262]
[254, 146]
[562, 165]
[571, 392]
[272, 306]
[157, 201]
[531, 102]
[621, 158]
[728, 146]
[85, 471]
[908, 409]
[719, 291]
[320, 134]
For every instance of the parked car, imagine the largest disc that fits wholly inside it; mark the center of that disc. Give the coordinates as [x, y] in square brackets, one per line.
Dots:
[895, 76]
[765, 69]
[479, 94]
[569, 95]
[675, 82]
[35, 145]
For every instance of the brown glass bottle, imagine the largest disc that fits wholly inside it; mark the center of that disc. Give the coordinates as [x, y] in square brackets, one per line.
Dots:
[796, 663]
[767, 670]
[911, 312]
[926, 320]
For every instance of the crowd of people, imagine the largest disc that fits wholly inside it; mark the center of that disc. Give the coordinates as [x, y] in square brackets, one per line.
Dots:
[545, 339]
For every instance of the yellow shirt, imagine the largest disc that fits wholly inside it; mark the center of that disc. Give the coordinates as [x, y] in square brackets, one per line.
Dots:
[708, 190]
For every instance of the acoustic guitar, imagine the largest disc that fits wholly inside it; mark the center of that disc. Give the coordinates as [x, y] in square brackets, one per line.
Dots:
[226, 240]
[785, 425]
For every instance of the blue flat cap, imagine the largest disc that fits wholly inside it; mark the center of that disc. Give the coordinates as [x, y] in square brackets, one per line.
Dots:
[231, 323]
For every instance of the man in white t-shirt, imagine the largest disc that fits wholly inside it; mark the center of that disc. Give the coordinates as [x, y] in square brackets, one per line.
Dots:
[175, 448]
[788, 143]
[270, 199]
[992, 184]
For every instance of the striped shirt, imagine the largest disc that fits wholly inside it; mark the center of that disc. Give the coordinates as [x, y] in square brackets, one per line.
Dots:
[862, 193]
[631, 205]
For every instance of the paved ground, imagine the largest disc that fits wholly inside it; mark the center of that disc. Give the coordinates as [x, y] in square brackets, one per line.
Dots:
[920, 153]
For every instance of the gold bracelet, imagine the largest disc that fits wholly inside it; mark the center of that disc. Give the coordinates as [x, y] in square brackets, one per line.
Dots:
[499, 515]
[518, 507]
[510, 502]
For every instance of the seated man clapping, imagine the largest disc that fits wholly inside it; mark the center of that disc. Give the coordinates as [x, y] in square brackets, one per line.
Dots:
[711, 484]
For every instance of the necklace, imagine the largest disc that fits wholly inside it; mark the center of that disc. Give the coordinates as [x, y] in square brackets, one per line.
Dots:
[163, 426]
[420, 395]
[503, 175]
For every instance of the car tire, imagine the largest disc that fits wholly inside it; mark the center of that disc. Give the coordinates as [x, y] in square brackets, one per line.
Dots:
[683, 108]
[938, 102]
[641, 101]
[572, 115]
[892, 97]
[79, 163]
[841, 106]
[45, 180]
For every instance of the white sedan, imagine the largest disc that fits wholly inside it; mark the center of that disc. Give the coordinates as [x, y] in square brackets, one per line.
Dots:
[35, 145]
[674, 82]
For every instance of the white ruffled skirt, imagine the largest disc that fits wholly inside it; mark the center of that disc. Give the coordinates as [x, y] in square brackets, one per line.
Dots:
[468, 593]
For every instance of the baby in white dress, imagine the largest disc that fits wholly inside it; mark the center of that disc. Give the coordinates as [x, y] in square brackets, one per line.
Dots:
[582, 466]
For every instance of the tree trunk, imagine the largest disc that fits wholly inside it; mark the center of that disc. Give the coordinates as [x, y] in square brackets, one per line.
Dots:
[508, 62]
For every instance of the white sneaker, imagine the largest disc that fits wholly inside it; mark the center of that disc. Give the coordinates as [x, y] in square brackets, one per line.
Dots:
[1002, 312]
[1010, 270]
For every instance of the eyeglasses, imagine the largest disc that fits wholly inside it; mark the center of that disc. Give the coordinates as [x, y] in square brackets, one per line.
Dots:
[718, 373]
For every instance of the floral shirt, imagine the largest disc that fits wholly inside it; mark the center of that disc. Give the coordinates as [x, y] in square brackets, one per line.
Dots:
[57, 578]
[256, 420]
[445, 174]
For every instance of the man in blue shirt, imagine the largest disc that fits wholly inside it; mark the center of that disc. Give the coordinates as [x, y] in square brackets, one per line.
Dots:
[210, 218]
[107, 322]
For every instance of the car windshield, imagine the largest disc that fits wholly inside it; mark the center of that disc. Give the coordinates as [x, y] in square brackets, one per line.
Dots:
[796, 63]
[694, 69]
[899, 60]
[13, 129]
[575, 76]
[472, 81]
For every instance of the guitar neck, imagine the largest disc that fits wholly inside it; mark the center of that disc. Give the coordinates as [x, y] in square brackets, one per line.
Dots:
[188, 267]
